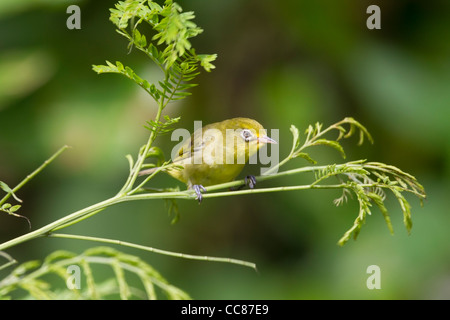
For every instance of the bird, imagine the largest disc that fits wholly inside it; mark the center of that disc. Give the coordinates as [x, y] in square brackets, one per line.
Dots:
[217, 153]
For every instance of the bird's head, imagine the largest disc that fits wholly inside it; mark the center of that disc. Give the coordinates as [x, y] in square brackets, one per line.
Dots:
[249, 135]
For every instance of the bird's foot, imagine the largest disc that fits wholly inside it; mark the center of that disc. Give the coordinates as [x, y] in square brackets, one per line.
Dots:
[250, 181]
[198, 188]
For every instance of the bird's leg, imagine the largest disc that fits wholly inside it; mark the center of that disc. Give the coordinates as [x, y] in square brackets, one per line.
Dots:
[250, 181]
[198, 188]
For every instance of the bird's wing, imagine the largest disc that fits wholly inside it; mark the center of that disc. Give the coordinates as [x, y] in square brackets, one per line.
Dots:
[197, 142]
[194, 144]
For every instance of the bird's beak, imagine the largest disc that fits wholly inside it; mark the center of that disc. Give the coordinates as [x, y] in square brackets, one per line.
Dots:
[266, 139]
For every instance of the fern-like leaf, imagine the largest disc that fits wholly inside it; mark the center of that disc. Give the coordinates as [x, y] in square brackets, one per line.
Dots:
[31, 277]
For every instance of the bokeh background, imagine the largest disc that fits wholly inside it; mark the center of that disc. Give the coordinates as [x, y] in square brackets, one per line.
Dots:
[290, 62]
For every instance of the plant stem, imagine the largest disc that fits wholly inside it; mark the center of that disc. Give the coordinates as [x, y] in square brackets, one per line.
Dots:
[140, 161]
[151, 249]
[190, 194]
[33, 174]
[187, 194]
[65, 221]
[10, 259]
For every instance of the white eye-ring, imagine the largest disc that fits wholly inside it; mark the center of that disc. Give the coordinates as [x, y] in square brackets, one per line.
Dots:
[247, 135]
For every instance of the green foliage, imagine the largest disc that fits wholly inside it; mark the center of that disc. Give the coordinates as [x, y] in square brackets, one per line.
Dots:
[315, 133]
[9, 191]
[12, 209]
[32, 276]
[8, 207]
[170, 48]
[160, 127]
[168, 45]
[356, 177]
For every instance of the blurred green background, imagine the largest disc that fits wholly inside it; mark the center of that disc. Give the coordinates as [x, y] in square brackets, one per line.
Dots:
[289, 62]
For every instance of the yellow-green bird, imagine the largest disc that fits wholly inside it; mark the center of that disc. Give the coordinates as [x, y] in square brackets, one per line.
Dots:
[217, 153]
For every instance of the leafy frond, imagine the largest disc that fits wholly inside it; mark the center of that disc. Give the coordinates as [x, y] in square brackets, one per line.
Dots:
[130, 74]
[168, 45]
[161, 127]
[369, 182]
[315, 136]
[169, 48]
[172, 210]
[9, 191]
[12, 211]
[174, 30]
[67, 266]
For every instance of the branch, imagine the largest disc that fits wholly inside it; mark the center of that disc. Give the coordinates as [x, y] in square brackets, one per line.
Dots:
[12, 210]
[151, 249]
[30, 176]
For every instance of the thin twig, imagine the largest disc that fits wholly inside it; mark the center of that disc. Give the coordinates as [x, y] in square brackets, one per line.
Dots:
[155, 250]
[33, 174]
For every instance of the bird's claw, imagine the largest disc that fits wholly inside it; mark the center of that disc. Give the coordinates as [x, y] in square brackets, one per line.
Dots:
[198, 188]
[250, 181]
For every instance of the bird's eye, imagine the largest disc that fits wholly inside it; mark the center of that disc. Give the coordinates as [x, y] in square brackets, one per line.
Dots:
[246, 135]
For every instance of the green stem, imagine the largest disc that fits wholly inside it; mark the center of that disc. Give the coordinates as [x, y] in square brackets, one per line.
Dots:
[76, 220]
[10, 259]
[281, 174]
[149, 177]
[33, 174]
[277, 166]
[151, 249]
[140, 161]
[187, 194]
[58, 224]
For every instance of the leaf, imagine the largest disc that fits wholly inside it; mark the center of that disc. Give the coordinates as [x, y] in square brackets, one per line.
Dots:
[343, 198]
[162, 127]
[130, 161]
[172, 210]
[32, 277]
[120, 277]
[166, 86]
[154, 53]
[334, 144]
[363, 132]
[406, 209]
[295, 136]
[169, 46]
[90, 281]
[205, 61]
[58, 255]
[369, 191]
[139, 39]
[305, 156]
[11, 210]
[148, 286]
[8, 190]
[378, 200]
[14, 208]
[155, 152]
